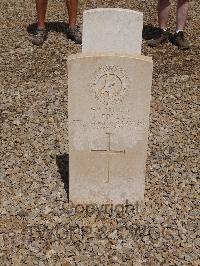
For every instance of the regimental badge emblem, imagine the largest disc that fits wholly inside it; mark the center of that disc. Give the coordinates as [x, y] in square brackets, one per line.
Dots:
[110, 84]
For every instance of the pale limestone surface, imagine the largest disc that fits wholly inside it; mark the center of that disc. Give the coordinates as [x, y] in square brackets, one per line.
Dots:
[109, 102]
[112, 30]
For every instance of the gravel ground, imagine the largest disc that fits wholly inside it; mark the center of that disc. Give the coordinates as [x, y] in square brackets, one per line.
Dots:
[38, 226]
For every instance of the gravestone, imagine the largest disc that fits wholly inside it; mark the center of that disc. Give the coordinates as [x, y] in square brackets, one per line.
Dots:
[112, 30]
[108, 115]
[109, 103]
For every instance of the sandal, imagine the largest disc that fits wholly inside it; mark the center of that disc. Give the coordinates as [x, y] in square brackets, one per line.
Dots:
[75, 34]
[40, 36]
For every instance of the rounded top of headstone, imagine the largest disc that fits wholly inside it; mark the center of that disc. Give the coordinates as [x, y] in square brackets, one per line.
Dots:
[112, 30]
[110, 9]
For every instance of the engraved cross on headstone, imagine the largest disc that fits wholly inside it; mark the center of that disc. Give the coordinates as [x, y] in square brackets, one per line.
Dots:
[109, 151]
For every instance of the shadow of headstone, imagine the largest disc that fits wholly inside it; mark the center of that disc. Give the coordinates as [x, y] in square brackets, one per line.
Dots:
[150, 32]
[62, 162]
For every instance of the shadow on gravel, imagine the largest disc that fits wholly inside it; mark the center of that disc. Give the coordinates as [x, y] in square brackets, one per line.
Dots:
[62, 162]
[60, 27]
[150, 32]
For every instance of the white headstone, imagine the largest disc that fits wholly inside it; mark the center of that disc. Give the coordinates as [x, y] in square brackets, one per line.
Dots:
[109, 103]
[112, 30]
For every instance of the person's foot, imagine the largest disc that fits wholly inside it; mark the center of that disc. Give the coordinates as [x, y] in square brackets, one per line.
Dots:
[75, 34]
[161, 38]
[40, 36]
[181, 41]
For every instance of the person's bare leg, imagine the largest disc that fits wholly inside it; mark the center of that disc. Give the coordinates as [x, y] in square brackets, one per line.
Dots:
[41, 8]
[72, 7]
[181, 14]
[74, 32]
[41, 33]
[163, 13]
[163, 16]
